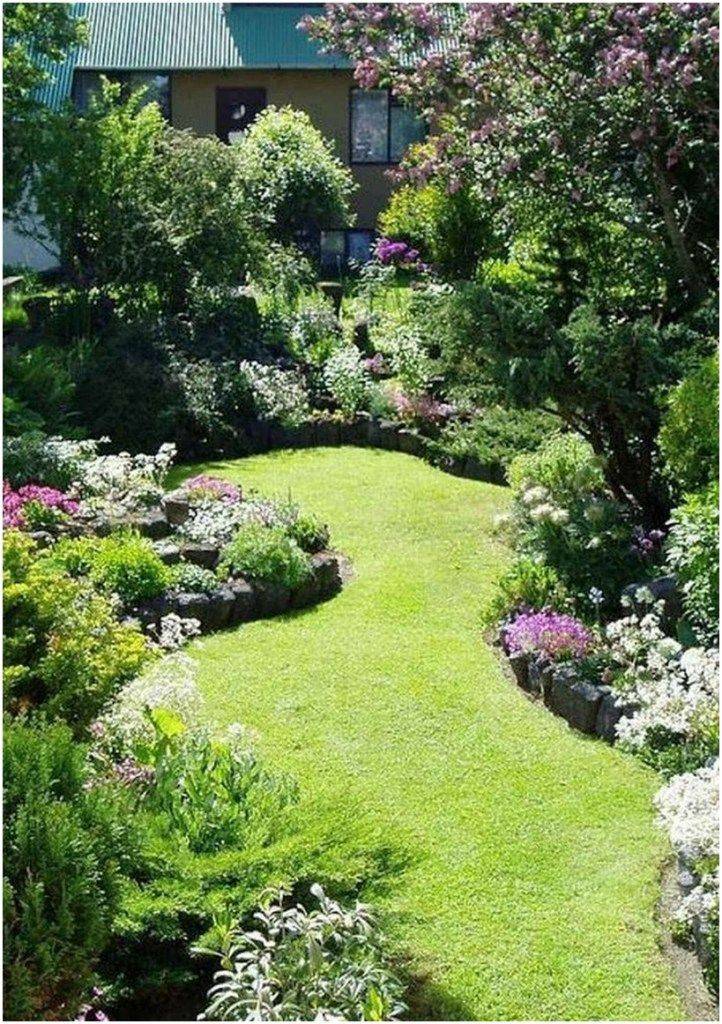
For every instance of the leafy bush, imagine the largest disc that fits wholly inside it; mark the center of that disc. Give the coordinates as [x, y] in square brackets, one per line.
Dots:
[140, 208]
[305, 965]
[316, 332]
[526, 584]
[453, 231]
[564, 516]
[40, 381]
[689, 438]
[495, 436]
[126, 564]
[290, 171]
[308, 531]
[64, 647]
[693, 555]
[34, 458]
[66, 848]
[187, 578]
[265, 553]
[347, 379]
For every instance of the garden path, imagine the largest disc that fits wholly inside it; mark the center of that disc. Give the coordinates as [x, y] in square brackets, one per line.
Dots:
[527, 862]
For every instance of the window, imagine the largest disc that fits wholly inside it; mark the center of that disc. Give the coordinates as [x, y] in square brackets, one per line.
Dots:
[338, 247]
[381, 127]
[86, 84]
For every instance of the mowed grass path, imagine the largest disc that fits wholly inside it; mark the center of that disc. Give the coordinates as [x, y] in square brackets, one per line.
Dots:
[533, 860]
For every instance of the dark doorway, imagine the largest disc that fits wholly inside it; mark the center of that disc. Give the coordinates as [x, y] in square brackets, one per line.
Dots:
[235, 109]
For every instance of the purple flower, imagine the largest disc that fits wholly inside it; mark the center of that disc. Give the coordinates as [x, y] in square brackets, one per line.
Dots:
[552, 635]
[14, 502]
[203, 487]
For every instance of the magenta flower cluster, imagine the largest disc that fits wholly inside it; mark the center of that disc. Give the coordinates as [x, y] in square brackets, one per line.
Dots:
[14, 502]
[420, 407]
[551, 635]
[398, 253]
[205, 486]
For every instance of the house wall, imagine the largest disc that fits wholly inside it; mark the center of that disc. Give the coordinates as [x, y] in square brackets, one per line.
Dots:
[323, 95]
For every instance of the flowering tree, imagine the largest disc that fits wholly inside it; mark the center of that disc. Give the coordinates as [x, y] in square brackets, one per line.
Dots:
[559, 113]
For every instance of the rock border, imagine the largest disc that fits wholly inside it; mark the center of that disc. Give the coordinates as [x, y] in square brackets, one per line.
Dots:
[366, 431]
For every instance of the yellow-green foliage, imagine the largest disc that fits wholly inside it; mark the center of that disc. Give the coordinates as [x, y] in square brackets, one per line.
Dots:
[64, 645]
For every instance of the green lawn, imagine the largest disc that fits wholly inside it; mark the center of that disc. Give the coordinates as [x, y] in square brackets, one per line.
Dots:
[530, 857]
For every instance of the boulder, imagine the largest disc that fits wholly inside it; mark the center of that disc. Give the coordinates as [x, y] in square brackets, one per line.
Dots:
[244, 602]
[41, 537]
[167, 551]
[575, 700]
[519, 664]
[326, 432]
[205, 555]
[410, 442]
[388, 434]
[176, 507]
[610, 713]
[194, 606]
[270, 598]
[153, 524]
[149, 613]
[278, 436]
[326, 573]
[221, 608]
[539, 676]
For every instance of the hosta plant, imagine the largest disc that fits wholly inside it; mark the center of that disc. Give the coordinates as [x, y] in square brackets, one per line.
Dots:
[299, 964]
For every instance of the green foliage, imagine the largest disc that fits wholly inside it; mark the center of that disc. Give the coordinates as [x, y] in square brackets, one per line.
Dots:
[15, 319]
[564, 516]
[126, 564]
[454, 231]
[525, 584]
[689, 438]
[309, 532]
[290, 172]
[66, 847]
[693, 555]
[140, 208]
[602, 375]
[188, 578]
[28, 459]
[34, 36]
[267, 554]
[495, 436]
[40, 381]
[315, 332]
[302, 964]
[64, 647]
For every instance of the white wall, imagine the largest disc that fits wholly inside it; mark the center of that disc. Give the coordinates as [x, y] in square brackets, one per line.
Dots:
[17, 249]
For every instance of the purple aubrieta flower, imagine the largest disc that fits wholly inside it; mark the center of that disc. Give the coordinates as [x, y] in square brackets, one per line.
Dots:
[205, 486]
[552, 635]
[14, 502]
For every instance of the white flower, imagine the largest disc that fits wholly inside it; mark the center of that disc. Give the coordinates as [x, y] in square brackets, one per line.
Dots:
[277, 394]
[173, 631]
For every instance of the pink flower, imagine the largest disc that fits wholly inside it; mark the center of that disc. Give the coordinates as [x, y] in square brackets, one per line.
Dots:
[14, 502]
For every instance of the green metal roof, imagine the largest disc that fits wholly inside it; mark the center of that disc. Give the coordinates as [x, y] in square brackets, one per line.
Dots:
[189, 36]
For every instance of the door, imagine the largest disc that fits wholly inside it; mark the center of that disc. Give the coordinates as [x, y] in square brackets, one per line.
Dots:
[235, 109]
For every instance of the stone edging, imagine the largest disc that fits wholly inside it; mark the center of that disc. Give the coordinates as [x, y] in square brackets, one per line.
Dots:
[366, 431]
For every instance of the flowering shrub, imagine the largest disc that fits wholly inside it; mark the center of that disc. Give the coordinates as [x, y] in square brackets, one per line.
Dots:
[563, 515]
[187, 578]
[419, 408]
[34, 457]
[296, 964]
[277, 394]
[397, 253]
[347, 379]
[674, 693]
[315, 333]
[409, 362]
[207, 488]
[551, 635]
[168, 683]
[215, 522]
[35, 507]
[688, 809]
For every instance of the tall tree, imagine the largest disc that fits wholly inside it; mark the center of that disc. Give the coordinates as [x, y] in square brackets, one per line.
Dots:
[34, 37]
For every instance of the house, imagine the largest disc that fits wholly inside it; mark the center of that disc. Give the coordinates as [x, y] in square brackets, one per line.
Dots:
[213, 66]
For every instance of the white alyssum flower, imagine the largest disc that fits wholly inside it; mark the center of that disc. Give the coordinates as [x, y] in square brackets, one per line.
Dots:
[688, 808]
[173, 631]
[168, 683]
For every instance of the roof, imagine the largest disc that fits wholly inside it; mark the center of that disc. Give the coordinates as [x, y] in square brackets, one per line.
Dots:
[189, 36]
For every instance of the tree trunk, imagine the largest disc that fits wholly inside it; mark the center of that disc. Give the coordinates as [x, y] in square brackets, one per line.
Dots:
[686, 265]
